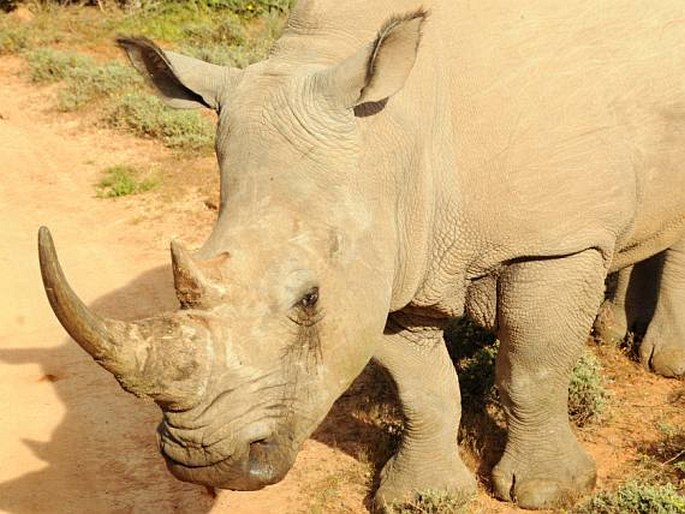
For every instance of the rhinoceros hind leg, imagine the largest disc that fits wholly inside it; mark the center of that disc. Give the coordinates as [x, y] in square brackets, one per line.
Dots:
[545, 312]
[630, 301]
[663, 346]
[428, 457]
[611, 324]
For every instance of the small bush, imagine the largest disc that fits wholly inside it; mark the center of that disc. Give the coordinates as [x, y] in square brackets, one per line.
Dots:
[663, 461]
[148, 116]
[14, 37]
[670, 449]
[587, 397]
[232, 42]
[248, 8]
[84, 79]
[122, 181]
[432, 502]
[47, 65]
[87, 84]
[635, 498]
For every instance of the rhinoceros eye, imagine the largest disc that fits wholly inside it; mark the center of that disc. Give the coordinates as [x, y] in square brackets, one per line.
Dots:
[310, 298]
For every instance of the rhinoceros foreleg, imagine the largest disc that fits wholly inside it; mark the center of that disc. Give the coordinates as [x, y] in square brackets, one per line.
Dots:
[663, 346]
[428, 388]
[545, 311]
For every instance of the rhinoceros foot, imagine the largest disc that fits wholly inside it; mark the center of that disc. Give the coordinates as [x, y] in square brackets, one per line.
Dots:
[611, 325]
[542, 478]
[404, 478]
[664, 355]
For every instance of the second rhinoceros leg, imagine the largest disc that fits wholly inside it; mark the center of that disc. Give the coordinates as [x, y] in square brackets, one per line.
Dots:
[545, 311]
[611, 324]
[630, 302]
[663, 346]
[428, 389]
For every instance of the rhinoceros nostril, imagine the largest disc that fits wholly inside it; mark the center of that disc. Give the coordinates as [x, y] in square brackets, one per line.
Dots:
[264, 463]
[259, 442]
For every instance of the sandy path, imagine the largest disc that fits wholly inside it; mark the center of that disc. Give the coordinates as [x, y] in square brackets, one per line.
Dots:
[70, 439]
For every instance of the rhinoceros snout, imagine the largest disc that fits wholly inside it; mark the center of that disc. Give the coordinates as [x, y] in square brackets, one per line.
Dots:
[246, 466]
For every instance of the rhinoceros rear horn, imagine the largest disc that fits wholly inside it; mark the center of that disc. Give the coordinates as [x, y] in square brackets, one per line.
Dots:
[197, 282]
[159, 357]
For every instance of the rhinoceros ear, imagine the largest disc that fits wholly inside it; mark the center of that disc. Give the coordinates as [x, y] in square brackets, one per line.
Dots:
[379, 70]
[183, 82]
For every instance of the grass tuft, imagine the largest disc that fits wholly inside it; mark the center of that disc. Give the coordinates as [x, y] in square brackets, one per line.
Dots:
[635, 498]
[122, 181]
[232, 42]
[587, 397]
[432, 502]
[147, 116]
[84, 80]
[663, 461]
[47, 65]
[248, 8]
[14, 38]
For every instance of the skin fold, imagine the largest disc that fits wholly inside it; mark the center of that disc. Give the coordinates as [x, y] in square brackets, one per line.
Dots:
[388, 168]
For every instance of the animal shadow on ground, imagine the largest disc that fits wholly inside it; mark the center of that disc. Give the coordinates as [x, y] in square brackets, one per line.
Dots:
[102, 457]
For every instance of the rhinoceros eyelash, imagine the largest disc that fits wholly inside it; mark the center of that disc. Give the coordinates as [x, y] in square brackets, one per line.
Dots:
[305, 317]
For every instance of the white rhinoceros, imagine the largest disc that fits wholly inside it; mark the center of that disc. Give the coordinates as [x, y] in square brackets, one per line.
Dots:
[386, 170]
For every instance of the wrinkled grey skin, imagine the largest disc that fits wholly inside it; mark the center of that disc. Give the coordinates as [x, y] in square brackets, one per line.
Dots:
[501, 164]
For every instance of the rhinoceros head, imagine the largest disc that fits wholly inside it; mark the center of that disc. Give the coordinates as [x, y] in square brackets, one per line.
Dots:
[282, 306]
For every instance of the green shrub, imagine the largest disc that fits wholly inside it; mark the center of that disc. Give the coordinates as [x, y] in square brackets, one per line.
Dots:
[84, 79]
[47, 65]
[122, 181]
[432, 502]
[587, 397]
[14, 37]
[635, 498]
[230, 43]
[248, 8]
[84, 85]
[663, 460]
[147, 116]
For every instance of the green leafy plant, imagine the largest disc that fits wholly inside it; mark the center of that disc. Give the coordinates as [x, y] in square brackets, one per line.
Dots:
[14, 37]
[147, 116]
[587, 397]
[47, 65]
[432, 502]
[663, 461]
[635, 498]
[84, 80]
[122, 181]
[248, 8]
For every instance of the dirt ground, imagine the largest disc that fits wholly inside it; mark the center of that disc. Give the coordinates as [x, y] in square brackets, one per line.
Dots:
[71, 441]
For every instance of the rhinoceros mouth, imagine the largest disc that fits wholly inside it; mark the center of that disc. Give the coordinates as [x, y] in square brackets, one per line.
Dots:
[260, 463]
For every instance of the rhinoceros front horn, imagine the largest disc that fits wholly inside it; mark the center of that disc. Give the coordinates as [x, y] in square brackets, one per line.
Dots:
[162, 358]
